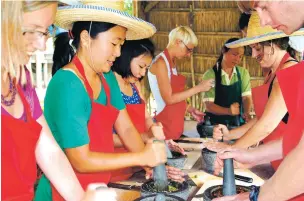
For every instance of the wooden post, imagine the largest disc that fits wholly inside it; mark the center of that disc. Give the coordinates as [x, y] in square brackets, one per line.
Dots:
[193, 80]
[150, 6]
[191, 20]
[135, 8]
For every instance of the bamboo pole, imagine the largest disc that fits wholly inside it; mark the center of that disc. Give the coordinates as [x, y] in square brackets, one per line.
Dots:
[193, 80]
[135, 8]
[191, 16]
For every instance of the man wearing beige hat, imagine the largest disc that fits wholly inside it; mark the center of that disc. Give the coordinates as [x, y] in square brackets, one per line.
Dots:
[287, 183]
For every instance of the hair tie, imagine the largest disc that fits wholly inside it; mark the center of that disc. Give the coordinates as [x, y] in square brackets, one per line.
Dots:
[70, 34]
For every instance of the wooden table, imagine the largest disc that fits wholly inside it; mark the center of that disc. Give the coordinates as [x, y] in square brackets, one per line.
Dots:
[263, 171]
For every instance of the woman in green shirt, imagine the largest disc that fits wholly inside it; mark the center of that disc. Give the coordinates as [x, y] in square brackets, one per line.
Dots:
[83, 101]
[230, 101]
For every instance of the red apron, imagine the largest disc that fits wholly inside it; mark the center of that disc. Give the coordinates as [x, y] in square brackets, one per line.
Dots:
[291, 82]
[18, 143]
[172, 116]
[260, 98]
[100, 129]
[137, 115]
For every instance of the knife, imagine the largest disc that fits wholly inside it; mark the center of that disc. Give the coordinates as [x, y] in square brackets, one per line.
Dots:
[124, 186]
[188, 141]
[189, 180]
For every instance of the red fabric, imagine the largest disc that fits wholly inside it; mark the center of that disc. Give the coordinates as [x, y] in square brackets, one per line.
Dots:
[260, 99]
[18, 143]
[172, 116]
[291, 82]
[137, 115]
[100, 129]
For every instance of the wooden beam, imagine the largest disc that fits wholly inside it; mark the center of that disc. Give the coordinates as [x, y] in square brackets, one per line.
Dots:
[194, 10]
[150, 6]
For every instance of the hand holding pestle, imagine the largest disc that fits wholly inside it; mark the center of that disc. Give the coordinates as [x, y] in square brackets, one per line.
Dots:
[160, 175]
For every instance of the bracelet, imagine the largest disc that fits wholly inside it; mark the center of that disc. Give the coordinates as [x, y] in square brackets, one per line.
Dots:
[254, 193]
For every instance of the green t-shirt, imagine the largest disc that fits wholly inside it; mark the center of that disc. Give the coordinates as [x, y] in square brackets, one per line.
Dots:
[245, 77]
[67, 109]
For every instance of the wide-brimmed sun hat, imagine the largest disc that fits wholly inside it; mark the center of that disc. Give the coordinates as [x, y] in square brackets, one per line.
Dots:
[111, 11]
[256, 33]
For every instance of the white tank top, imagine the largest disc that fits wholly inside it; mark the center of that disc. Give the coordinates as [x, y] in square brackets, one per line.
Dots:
[160, 103]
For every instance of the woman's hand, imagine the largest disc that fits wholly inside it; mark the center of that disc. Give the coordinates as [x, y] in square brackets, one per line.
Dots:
[196, 114]
[216, 146]
[154, 153]
[175, 147]
[220, 132]
[157, 131]
[242, 159]
[234, 109]
[205, 85]
[173, 173]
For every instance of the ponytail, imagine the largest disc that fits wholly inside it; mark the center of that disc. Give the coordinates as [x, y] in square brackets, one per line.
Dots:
[292, 52]
[63, 52]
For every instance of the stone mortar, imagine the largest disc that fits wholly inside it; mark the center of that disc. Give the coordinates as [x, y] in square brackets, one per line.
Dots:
[177, 161]
[183, 189]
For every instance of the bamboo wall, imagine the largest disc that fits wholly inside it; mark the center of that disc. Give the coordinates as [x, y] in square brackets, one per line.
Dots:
[214, 22]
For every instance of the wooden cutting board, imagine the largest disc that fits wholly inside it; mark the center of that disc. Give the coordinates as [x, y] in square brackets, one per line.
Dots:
[127, 195]
[192, 157]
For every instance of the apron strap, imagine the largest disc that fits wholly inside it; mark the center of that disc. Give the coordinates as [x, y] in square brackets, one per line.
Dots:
[218, 77]
[240, 87]
[80, 68]
[26, 105]
[169, 60]
[106, 88]
[134, 85]
[283, 61]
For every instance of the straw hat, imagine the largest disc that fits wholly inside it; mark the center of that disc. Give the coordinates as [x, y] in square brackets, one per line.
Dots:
[256, 33]
[111, 11]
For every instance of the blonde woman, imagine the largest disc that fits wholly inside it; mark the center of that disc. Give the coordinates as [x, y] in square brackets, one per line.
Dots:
[168, 87]
[25, 135]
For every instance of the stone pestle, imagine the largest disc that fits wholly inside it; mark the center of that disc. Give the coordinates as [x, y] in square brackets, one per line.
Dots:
[169, 153]
[160, 176]
[237, 120]
[229, 187]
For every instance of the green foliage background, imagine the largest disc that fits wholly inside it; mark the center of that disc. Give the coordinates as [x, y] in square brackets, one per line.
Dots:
[129, 6]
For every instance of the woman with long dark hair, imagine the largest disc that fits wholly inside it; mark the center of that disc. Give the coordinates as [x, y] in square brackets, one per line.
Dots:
[129, 69]
[83, 101]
